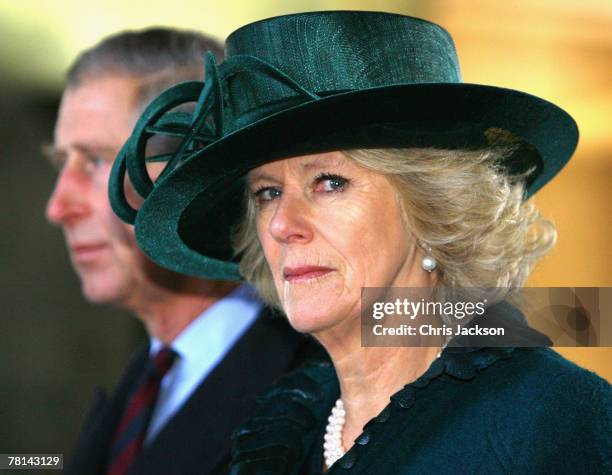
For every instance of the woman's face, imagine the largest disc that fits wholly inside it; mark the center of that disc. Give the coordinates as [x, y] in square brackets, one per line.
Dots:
[329, 227]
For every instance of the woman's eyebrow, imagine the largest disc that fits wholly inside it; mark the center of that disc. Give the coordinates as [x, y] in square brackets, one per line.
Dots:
[255, 176]
[316, 162]
[323, 162]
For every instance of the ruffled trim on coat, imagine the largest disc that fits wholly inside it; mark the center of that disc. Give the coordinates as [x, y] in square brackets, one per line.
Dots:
[290, 416]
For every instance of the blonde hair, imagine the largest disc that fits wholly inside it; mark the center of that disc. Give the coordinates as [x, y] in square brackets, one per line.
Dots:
[459, 203]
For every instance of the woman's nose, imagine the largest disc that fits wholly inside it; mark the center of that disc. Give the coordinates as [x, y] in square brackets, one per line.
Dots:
[291, 220]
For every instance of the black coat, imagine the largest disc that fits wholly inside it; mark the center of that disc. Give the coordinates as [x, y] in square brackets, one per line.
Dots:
[196, 440]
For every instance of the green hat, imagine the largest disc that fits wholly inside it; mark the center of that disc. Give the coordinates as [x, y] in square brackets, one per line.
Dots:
[309, 83]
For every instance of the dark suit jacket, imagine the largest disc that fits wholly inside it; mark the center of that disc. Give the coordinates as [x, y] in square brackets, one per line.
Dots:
[196, 440]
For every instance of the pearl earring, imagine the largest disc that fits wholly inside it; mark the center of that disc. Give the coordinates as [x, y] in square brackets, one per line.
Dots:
[428, 263]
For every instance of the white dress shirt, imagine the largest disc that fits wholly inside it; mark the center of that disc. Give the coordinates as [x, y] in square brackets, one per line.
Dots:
[200, 347]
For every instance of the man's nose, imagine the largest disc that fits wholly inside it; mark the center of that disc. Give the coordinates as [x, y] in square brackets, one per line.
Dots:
[68, 202]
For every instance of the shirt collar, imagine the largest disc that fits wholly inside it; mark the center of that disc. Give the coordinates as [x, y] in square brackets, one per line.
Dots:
[216, 328]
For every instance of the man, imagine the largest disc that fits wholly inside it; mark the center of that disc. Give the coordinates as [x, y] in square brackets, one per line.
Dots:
[214, 345]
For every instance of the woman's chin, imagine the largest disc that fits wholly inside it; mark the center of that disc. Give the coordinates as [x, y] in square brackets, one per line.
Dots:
[314, 306]
[305, 321]
[310, 320]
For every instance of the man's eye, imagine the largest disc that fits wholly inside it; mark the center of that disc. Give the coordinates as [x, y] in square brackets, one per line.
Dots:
[266, 194]
[94, 163]
[330, 183]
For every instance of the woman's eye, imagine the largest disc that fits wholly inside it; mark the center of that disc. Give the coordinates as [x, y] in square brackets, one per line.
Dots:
[328, 183]
[266, 194]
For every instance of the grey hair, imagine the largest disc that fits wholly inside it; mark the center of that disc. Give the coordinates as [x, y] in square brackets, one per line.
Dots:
[157, 57]
[459, 203]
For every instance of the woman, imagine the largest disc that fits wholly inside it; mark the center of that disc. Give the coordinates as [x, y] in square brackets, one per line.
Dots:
[368, 164]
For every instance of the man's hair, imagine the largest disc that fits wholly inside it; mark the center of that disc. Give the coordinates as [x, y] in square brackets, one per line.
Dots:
[157, 57]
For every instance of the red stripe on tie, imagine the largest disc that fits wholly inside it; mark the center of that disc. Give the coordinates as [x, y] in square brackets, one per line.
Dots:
[139, 401]
[131, 430]
[123, 462]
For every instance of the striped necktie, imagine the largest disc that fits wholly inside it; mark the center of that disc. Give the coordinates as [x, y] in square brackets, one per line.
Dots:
[132, 429]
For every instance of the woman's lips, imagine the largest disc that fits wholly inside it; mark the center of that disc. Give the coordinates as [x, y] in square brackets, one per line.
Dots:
[304, 273]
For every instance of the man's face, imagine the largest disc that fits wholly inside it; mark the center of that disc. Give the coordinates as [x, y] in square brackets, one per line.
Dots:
[94, 120]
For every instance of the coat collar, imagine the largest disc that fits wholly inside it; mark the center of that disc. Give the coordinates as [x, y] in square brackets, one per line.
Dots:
[290, 417]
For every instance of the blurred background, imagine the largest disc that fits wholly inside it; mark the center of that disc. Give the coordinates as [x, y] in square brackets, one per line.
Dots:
[56, 348]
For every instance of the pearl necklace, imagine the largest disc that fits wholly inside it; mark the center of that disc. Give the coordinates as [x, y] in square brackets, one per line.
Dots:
[332, 447]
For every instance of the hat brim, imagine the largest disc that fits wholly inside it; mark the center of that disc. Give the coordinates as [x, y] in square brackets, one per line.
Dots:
[185, 223]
